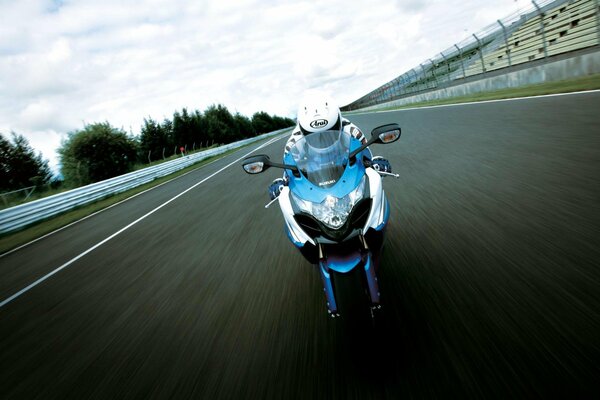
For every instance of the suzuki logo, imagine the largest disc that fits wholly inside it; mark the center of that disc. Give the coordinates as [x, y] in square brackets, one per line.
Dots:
[319, 123]
[327, 182]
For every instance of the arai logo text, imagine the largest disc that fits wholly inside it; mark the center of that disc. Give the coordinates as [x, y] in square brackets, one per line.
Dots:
[318, 123]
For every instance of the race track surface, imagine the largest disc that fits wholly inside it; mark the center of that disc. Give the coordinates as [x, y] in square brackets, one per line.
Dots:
[490, 277]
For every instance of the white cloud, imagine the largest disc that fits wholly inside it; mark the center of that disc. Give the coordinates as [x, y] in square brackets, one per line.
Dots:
[42, 115]
[121, 61]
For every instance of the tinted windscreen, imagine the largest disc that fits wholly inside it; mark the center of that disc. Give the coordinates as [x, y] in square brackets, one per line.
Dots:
[322, 156]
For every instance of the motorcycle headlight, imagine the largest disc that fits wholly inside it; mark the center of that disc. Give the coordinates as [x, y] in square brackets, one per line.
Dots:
[333, 211]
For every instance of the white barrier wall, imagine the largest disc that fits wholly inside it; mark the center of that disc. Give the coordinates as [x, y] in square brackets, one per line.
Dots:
[573, 67]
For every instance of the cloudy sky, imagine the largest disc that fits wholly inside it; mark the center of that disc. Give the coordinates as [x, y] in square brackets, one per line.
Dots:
[66, 63]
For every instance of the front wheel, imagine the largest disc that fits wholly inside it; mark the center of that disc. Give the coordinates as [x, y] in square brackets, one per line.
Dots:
[352, 298]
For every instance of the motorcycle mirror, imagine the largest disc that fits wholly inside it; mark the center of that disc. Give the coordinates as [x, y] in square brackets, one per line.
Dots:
[386, 134]
[256, 164]
[382, 134]
[260, 163]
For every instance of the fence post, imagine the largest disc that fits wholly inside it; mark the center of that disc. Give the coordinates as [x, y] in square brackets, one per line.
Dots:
[405, 82]
[480, 53]
[414, 88]
[506, 42]
[397, 86]
[598, 19]
[462, 62]
[447, 66]
[541, 14]
[425, 79]
[30, 193]
[149, 152]
[433, 73]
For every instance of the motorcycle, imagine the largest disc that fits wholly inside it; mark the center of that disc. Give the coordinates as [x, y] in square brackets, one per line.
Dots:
[336, 212]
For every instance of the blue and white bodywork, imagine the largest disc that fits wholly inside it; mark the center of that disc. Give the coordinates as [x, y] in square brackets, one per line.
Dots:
[332, 200]
[335, 209]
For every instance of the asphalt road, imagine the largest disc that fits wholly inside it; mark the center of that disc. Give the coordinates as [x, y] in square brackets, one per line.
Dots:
[490, 277]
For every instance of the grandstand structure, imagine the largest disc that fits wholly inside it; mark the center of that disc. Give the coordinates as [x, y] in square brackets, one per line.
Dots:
[547, 29]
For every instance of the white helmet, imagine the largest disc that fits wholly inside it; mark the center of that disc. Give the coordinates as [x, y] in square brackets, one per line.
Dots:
[318, 112]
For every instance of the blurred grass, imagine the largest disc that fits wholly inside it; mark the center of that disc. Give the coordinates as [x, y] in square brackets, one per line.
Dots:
[590, 82]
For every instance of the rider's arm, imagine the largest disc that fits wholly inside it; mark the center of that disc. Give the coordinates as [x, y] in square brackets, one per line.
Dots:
[296, 134]
[356, 133]
[353, 130]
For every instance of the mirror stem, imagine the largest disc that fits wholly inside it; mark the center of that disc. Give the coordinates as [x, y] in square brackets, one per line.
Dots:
[271, 202]
[388, 174]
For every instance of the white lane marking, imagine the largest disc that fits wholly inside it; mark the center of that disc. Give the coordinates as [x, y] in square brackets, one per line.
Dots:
[480, 102]
[104, 209]
[65, 265]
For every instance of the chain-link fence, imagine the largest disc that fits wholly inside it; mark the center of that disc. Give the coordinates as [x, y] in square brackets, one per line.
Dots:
[542, 30]
[15, 197]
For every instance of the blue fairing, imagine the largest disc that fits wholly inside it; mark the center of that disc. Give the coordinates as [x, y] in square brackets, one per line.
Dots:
[372, 281]
[331, 303]
[349, 180]
[343, 263]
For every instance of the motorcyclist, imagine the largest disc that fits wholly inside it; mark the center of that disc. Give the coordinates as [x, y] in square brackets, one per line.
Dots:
[317, 113]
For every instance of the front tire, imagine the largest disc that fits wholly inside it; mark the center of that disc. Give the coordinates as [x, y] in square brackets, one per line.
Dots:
[352, 298]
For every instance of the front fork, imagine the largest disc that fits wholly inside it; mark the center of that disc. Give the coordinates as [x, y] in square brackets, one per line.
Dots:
[370, 277]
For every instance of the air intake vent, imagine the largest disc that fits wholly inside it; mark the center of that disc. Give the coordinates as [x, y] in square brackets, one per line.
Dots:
[308, 225]
[359, 216]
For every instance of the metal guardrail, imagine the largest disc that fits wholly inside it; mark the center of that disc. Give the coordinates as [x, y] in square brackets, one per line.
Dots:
[22, 215]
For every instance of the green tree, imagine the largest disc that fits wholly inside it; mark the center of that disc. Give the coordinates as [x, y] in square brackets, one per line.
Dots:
[167, 128]
[153, 139]
[19, 165]
[262, 122]
[183, 129]
[97, 152]
[199, 129]
[5, 154]
[221, 125]
[244, 125]
[280, 122]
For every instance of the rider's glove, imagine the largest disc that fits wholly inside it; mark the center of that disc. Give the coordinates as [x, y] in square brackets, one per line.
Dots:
[275, 188]
[381, 164]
